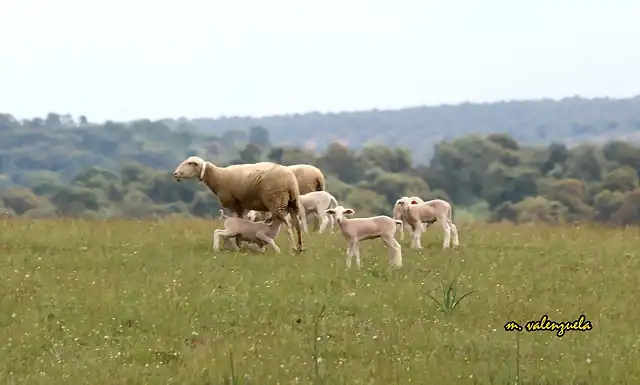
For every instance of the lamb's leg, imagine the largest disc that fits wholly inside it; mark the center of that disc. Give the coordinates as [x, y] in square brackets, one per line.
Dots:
[394, 249]
[454, 231]
[356, 252]
[317, 225]
[447, 233]
[256, 248]
[324, 221]
[350, 253]
[224, 234]
[262, 236]
[304, 224]
[417, 234]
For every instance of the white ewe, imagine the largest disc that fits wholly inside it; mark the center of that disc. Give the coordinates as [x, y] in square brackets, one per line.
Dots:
[415, 213]
[241, 229]
[356, 230]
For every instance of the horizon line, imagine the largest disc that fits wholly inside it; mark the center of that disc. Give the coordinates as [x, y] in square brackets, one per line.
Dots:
[345, 111]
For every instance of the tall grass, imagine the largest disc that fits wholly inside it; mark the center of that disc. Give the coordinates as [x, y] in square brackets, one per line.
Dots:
[129, 302]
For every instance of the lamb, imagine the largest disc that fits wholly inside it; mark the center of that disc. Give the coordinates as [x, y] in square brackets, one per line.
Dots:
[437, 209]
[263, 186]
[317, 202]
[398, 214]
[240, 229]
[309, 178]
[359, 229]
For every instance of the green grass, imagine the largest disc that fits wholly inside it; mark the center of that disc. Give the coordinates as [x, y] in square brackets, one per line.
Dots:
[126, 302]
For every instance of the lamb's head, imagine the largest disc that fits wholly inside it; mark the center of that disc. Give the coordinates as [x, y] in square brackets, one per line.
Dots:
[252, 215]
[192, 167]
[339, 213]
[406, 202]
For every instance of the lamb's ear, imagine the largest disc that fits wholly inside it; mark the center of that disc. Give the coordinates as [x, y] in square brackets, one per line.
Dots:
[349, 212]
[330, 211]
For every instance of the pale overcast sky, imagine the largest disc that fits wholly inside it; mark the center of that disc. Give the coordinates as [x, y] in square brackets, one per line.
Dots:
[121, 60]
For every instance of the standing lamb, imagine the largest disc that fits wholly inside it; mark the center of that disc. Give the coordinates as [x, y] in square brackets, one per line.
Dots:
[240, 229]
[356, 230]
[398, 213]
[317, 202]
[309, 178]
[262, 186]
[438, 209]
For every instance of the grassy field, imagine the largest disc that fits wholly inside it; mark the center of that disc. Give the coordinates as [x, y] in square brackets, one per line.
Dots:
[125, 302]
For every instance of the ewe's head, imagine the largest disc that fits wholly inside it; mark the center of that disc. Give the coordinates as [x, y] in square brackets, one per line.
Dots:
[192, 167]
[339, 213]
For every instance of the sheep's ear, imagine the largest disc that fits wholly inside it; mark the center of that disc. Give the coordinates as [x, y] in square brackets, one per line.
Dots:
[414, 202]
[330, 211]
[349, 212]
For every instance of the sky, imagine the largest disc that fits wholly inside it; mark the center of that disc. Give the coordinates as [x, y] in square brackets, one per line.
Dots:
[134, 59]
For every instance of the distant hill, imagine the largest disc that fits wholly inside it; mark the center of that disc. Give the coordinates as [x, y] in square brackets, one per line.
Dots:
[571, 121]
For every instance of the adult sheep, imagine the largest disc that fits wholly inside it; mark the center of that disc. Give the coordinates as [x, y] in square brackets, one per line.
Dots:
[309, 178]
[263, 186]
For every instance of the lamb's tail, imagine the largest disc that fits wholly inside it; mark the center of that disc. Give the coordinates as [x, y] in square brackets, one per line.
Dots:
[450, 215]
[333, 203]
[222, 216]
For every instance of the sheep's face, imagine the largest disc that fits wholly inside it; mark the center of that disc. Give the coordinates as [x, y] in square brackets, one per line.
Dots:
[339, 213]
[189, 169]
[405, 202]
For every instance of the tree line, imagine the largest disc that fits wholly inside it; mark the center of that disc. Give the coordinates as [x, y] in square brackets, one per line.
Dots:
[58, 167]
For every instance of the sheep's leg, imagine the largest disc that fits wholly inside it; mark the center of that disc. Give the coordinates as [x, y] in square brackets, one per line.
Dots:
[454, 231]
[224, 234]
[317, 225]
[324, 221]
[356, 252]
[233, 242]
[304, 224]
[350, 253]
[216, 240]
[297, 215]
[256, 248]
[262, 236]
[447, 233]
[394, 249]
[417, 234]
